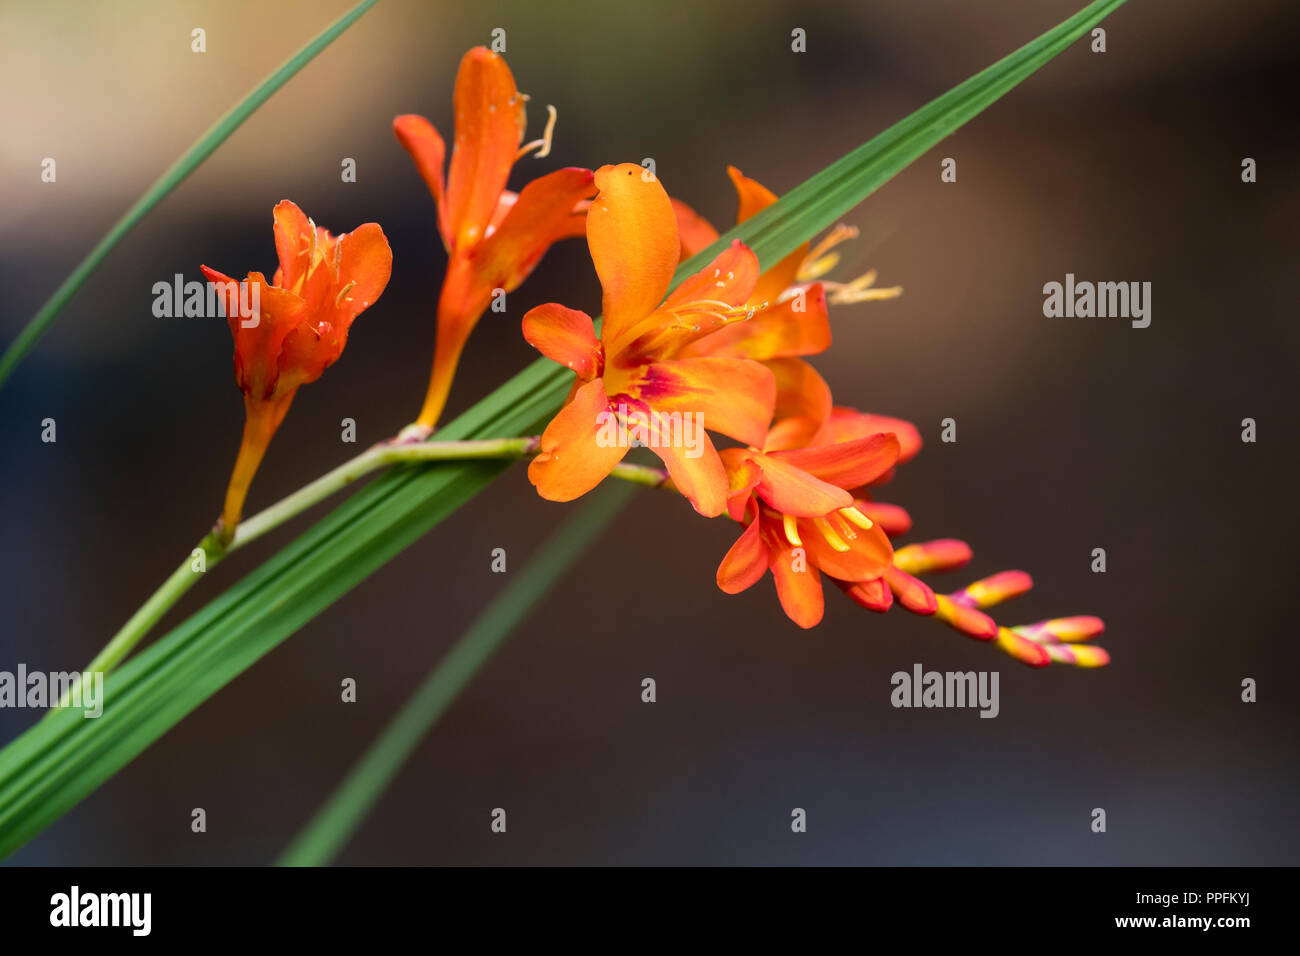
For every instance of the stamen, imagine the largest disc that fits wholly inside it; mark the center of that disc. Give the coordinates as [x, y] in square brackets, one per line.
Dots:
[791, 531]
[815, 269]
[817, 263]
[338, 299]
[833, 539]
[543, 145]
[839, 293]
[857, 517]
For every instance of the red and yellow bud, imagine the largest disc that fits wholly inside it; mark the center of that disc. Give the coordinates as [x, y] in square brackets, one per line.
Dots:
[929, 557]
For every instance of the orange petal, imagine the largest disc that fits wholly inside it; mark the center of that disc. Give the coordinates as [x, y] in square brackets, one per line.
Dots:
[846, 424]
[419, 138]
[742, 478]
[793, 491]
[848, 464]
[868, 553]
[745, 563]
[703, 303]
[729, 278]
[697, 473]
[912, 593]
[803, 400]
[489, 115]
[874, 595]
[752, 195]
[574, 459]
[695, 232]
[800, 591]
[774, 332]
[365, 264]
[257, 347]
[632, 234]
[295, 241]
[543, 214]
[566, 336]
[731, 396]
[753, 198]
[893, 519]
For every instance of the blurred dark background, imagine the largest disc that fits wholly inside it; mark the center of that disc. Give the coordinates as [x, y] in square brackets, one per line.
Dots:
[1073, 434]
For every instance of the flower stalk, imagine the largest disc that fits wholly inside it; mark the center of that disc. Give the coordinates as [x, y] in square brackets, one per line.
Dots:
[210, 551]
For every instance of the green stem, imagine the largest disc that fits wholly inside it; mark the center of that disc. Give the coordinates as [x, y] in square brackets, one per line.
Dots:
[380, 456]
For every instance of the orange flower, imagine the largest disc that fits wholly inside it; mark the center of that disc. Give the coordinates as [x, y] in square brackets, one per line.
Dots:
[323, 283]
[493, 237]
[800, 515]
[636, 378]
[796, 273]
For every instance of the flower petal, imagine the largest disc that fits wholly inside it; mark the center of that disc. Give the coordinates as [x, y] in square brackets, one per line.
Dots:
[792, 491]
[573, 460]
[729, 278]
[419, 138]
[566, 336]
[742, 479]
[365, 264]
[702, 304]
[257, 347]
[803, 400]
[731, 396]
[753, 198]
[913, 593]
[846, 424]
[893, 519]
[866, 552]
[874, 595]
[694, 231]
[543, 214]
[774, 332]
[697, 473]
[632, 234]
[800, 591]
[489, 115]
[848, 464]
[745, 562]
[295, 240]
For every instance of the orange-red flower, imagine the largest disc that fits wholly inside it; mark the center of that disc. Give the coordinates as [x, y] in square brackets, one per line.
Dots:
[806, 512]
[639, 371]
[493, 237]
[798, 274]
[795, 498]
[322, 284]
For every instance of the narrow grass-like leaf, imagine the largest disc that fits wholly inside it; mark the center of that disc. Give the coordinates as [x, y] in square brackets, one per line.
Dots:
[60, 760]
[331, 828]
[169, 180]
